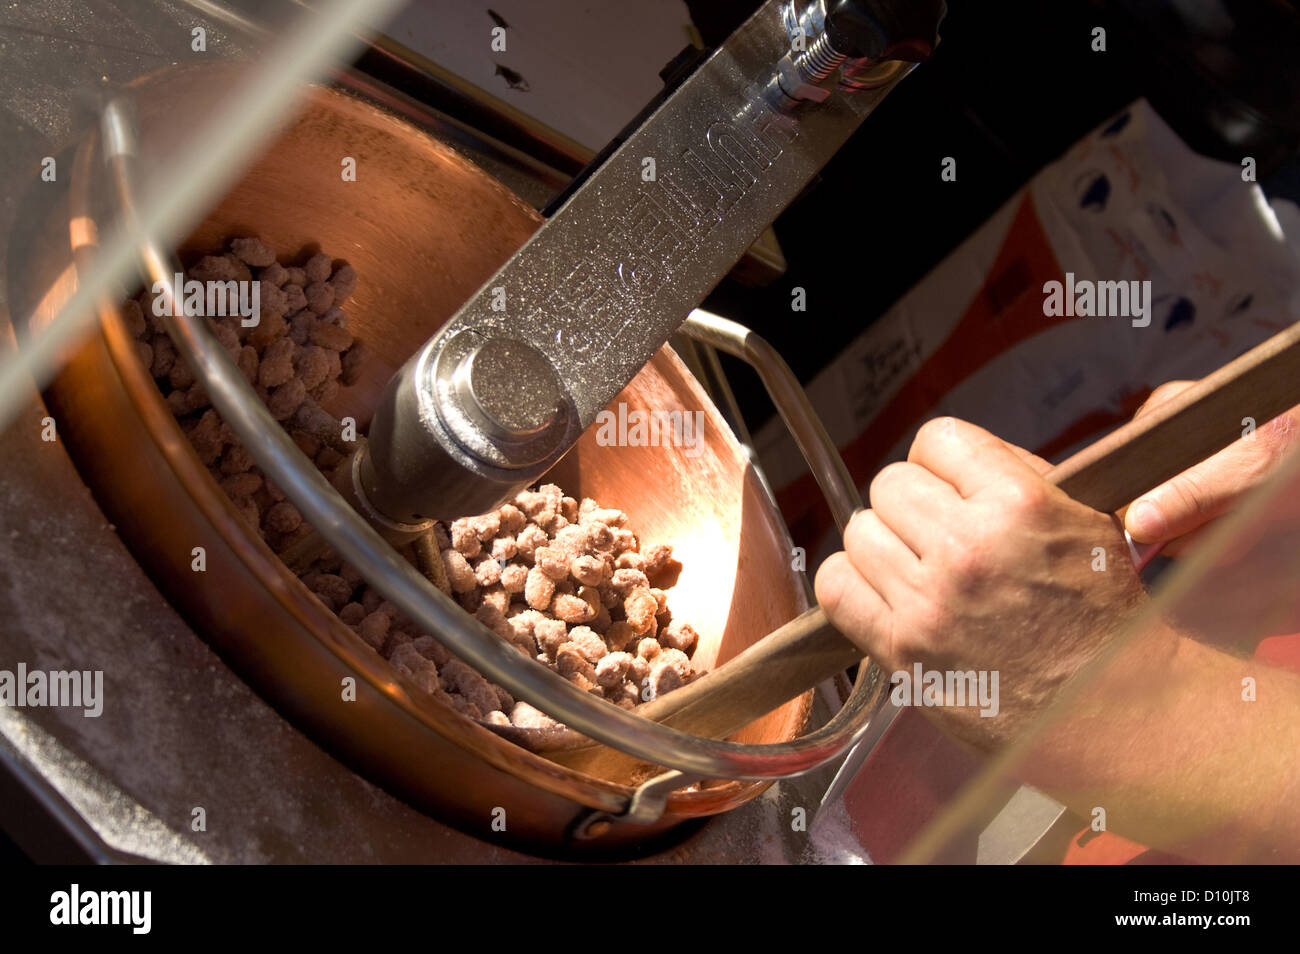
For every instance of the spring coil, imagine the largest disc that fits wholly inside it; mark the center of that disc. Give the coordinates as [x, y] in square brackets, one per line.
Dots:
[819, 60]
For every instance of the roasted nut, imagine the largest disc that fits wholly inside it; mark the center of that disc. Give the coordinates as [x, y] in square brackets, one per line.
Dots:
[625, 581]
[512, 518]
[514, 577]
[527, 717]
[539, 589]
[283, 517]
[497, 597]
[253, 251]
[550, 635]
[330, 336]
[268, 329]
[529, 540]
[570, 659]
[680, 636]
[459, 573]
[461, 679]
[286, 399]
[214, 268]
[430, 648]
[571, 608]
[312, 364]
[352, 362]
[273, 274]
[663, 678]
[504, 548]
[640, 608]
[374, 628]
[422, 671]
[294, 300]
[552, 561]
[320, 298]
[589, 643]
[318, 267]
[465, 539]
[586, 569]
[330, 588]
[619, 635]
[242, 485]
[344, 281]
[352, 614]
[612, 669]
[486, 526]
[275, 366]
[630, 561]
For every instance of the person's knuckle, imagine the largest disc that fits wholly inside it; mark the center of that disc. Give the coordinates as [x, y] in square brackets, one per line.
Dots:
[927, 620]
[933, 430]
[886, 481]
[941, 426]
[967, 567]
[831, 583]
[857, 535]
[1023, 499]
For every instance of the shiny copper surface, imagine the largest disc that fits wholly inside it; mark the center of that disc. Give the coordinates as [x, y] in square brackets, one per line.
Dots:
[424, 228]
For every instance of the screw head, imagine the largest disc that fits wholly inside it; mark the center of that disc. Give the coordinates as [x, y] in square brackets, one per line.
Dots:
[509, 389]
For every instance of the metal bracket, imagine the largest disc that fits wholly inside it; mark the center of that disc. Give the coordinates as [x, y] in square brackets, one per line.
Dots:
[645, 807]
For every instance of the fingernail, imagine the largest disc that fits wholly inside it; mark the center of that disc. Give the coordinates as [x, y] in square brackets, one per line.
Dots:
[1146, 522]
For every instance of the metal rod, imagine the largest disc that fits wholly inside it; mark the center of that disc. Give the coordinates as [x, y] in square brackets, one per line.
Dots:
[792, 404]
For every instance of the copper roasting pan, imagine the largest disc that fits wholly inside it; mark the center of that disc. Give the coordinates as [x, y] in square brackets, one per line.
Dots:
[424, 228]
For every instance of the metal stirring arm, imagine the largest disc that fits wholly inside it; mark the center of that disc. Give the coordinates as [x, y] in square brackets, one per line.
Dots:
[523, 368]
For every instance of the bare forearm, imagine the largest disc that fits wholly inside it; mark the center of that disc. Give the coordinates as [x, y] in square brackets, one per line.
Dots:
[1167, 740]
[970, 559]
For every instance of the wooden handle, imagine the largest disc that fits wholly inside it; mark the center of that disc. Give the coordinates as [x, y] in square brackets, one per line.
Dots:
[1196, 424]
[1142, 454]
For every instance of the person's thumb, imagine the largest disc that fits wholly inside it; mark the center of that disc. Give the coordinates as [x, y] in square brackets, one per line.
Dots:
[1197, 495]
[1176, 507]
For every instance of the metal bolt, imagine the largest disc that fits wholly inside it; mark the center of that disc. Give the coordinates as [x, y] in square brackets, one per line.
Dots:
[509, 389]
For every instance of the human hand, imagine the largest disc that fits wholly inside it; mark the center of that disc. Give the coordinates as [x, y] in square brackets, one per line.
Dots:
[969, 560]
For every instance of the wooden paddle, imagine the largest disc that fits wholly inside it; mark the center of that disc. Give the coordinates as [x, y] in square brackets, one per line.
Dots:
[1194, 425]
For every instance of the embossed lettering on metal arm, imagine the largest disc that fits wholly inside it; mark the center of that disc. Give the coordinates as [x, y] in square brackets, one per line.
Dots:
[603, 284]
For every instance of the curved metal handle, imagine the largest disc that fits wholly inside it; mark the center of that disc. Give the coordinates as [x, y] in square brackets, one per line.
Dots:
[359, 543]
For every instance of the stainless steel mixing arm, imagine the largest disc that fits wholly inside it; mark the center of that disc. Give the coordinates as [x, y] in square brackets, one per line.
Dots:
[511, 381]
